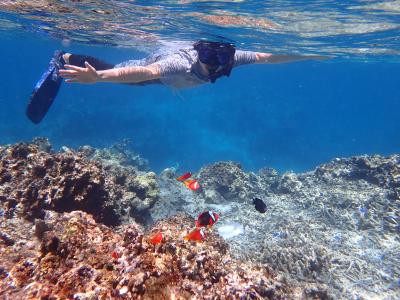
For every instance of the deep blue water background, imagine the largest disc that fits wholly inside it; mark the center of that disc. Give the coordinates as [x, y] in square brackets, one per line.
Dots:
[286, 116]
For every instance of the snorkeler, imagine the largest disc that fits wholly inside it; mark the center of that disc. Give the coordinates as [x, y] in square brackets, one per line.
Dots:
[201, 63]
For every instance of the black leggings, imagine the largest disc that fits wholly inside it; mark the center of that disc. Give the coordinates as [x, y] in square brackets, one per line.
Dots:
[79, 61]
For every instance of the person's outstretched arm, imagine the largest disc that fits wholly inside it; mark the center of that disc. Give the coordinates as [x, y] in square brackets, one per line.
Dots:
[250, 57]
[268, 58]
[119, 75]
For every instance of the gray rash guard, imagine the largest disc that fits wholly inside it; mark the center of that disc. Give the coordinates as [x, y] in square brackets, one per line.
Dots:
[181, 69]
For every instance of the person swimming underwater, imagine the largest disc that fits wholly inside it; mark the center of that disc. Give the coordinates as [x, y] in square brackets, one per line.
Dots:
[203, 62]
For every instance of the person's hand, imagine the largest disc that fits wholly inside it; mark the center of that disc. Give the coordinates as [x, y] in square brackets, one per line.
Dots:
[78, 74]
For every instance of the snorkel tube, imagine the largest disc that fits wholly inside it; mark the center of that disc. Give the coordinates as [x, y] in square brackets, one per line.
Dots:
[220, 56]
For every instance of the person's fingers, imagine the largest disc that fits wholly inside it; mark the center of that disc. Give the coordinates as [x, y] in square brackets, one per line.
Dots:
[67, 73]
[72, 67]
[89, 66]
[67, 76]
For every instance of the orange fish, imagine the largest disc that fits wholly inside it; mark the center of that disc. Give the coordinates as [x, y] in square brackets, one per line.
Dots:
[207, 219]
[115, 255]
[197, 235]
[184, 176]
[156, 239]
[192, 184]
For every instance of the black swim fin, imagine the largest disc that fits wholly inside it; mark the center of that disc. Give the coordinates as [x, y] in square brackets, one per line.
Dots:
[46, 89]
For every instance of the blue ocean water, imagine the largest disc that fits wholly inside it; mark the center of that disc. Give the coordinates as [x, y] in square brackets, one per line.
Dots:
[290, 116]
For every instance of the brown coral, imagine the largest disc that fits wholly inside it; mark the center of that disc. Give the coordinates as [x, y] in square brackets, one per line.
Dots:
[32, 180]
[74, 260]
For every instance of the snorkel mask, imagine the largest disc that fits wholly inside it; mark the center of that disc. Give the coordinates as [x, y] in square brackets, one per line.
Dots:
[219, 58]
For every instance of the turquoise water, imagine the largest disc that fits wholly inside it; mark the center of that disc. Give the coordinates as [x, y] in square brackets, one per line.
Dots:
[287, 116]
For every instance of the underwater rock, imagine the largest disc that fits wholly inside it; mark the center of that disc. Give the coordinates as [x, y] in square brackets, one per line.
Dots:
[135, 192]
[117, 154]
[268, 177]
[175, 197]
[43, 144]
[32, 181]
[225, 182]
[332, 232]
[288, 183]
[376, 169]
[80, 259]
[327, 230]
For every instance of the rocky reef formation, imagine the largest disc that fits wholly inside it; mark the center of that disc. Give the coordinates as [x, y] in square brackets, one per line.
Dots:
[330, 233]
[33, 179]
[70, 256]
[226, 181]
[118, 154]
[337, 227]
[55, 208]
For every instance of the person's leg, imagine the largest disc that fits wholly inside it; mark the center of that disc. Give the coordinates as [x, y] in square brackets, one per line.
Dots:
[79, 60]
[46, 89]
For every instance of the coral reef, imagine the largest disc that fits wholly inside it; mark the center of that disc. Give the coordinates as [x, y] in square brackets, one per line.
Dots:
[336, 227]
[329, 233]
[377, 170]
[76, 258]
[226, 182]
[117, 154]
[33, 179]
